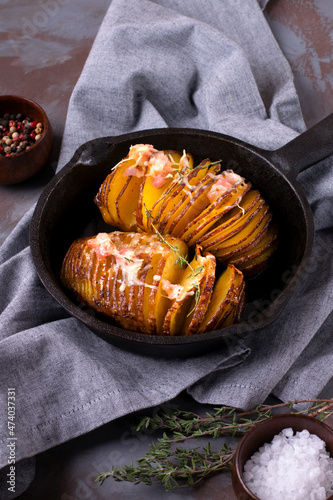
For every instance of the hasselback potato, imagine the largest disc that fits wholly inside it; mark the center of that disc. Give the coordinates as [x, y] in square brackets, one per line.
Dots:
[188, 238]
[142, 283]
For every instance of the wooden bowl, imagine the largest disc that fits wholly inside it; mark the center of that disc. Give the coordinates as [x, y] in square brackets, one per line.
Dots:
[22, 166]
[263, 433]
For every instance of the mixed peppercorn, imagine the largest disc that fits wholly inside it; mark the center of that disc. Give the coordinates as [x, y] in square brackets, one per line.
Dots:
[18, 133]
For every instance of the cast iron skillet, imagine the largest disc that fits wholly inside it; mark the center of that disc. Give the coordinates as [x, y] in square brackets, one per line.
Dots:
[66, 211]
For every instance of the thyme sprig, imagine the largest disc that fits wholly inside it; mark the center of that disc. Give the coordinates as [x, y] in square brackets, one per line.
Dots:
[202, 165]
[176, 466]
[173, 468]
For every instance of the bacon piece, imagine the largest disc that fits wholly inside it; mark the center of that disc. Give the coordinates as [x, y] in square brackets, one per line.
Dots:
[225, 181]
[141, 154]
[159, 168]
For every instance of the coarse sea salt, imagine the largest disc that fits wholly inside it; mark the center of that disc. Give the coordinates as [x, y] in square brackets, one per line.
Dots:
[291, 467]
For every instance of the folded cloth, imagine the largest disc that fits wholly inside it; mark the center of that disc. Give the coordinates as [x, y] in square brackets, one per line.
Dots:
[163, 63]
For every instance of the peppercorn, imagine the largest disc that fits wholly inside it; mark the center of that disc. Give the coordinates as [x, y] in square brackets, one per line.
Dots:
[18, 133]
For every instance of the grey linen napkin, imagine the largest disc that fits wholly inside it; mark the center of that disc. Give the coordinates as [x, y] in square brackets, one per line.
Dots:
[185, 63]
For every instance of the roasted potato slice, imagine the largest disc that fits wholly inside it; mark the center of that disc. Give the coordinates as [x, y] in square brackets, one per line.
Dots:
[84, 273]
[117, 275]
[155, 211]
[260, 260]
[241, 305]
[221, 297]
[259, 264]
[252, 240]
[230, 218]
[242, 223]
[189, 193]
[182, 295]
[105, 198]
[118, 195]
[172, 271]
[234, 308]
[246, 236]
[157, 263]
[140, 293]
[191, 204]
[162, 168]
[154, 253]
[127, 202]
[201, 299]
[124, 312]
[214, 212]
[268, 240]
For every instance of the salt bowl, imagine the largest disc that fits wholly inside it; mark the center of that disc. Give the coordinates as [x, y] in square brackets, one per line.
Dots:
[280, 456]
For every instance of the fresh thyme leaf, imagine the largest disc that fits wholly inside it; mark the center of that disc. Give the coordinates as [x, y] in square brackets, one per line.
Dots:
[148, 213]
[196, 272]
[196, 298]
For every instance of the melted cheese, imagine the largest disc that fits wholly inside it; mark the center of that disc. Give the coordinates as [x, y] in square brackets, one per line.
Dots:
[189, 188]
[102, 245]
[125, 258]
[184, 160]
[130, 267]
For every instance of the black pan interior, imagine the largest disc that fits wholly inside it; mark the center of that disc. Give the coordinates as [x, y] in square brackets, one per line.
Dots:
[66, 211]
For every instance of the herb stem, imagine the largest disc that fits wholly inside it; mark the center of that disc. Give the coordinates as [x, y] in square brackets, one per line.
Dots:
[180, 467]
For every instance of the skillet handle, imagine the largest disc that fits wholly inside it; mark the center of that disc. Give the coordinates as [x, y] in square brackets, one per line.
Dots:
[309, 148]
